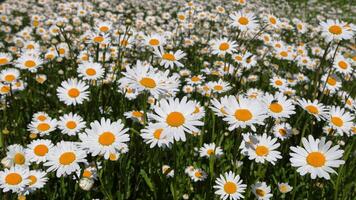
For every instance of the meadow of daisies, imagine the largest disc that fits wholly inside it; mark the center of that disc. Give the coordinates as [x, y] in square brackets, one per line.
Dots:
[177, 99]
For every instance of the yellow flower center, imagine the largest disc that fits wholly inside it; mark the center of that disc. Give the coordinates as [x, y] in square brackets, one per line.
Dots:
[5, 89]
[262, 150]
[316, 159]
[272, 20]
[342, 65]
[331, 81]
[41, 117]
[148, 82]
[284, 54]
[106, 138]
[275, 107]
[73, 92]
[154, 42]
[9, 78]
[43, 127]
[278, 82]
[335, 29]
[3, 61]
[19, 159]
[195, 78]
[33, 179]
[337, 121]
[71, 124]
[98, 39]
[67, 158]
[40, 150]
[230, 187]
[312, 109]
[218, 87]
[30, 63]
[175, 119]
[157, 133]
[282, 132]
[104, 29]
[224, 46]
[260, 192]
[168, 56]
[87, 174]
[243, 21]
[61, 51]
[13, 179]
[243, 115]
[90, 72]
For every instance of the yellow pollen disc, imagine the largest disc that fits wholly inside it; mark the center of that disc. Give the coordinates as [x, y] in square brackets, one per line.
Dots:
[275, 107]
[106, 138]
[224, 46]
[312, 109]
[230, 187]
[262, 150]
[33, 179]
[67, 158]
[210, 152]
[41, 117]
[284, 54]
[90, 72]
[87, 174]
[104, 29]
[260, 192]
[243, 21]
[3, 61]
[13, 179]
[316, 159]
[198, 174]
[40, 150]
[98, 39]
[30, 46]
[19, 159]
[168, 56]
[154, 42]
[272, 20]
[335, 29]
[113, 157]
[278, 82]
[331, 81]
[124, 42]
[30, 63]
[243, 115]
[282, 132]
[238, 58]
[195, 78]
[71, 124]
[218, 87]
[337, 121]
[148, 82]
[5, 89]
[9, 78]
[196, 110]
[43, 127]
[61, 51]
[157, 133]
[175, 119]
[73, 92]
[342, 65]
[137, 114]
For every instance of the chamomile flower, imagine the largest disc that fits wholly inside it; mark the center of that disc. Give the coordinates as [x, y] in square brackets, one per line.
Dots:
[14, 179]
[154, 40]
[261, 191]
[229, 186]
[264, 149]
[219, 106]
[37, 150]
[71, 124]
[223, 46]
[278, 82]
[243, 21]
[282, 131]
[73, 92]
[243, 112]
[90, 71]
[195, 80]
[279, 106]
[342, 65]
[330, 83]
[154, 135]
[42, 127]
[318, 110]
[9, 75]
[198, 175]
[64, 158]
[29, 62]
[135, 115]
[5, 58]
[208, 150]
[316, 158]
[335, 30]
[284, 187]
[105, 138]
[170, 59]
[37, 179]
[16, 155]
[340, 120]
[177, 117]
[219, 86]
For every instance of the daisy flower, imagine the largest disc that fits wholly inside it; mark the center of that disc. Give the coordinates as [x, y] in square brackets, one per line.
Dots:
[154, 40]
[73, 92]
[279, 106]
[243, 112]
[198, 175]
[71, 124]
[261, 191]
[64, 158]
[243, 21]
[9, 75]
[335, 30]
[42, 127]
[5, 58]
[208, 150]
[103, 26]
[331, 83]
[340, 120]
[37, 150]
[316, 158]
[154, 135]
[318, 110]
[90, 71]
[229, 186]
[264, 149]
[278, 82]
[282, 131]
[170, 59]
[284, 187]
[223, 46]
[219, 106]
[342, 65]
[135, 115]
[195, 80]
[14, 179]
[29, 62]
[16, 155]
[104, 138]
[219, 86]
[37, 179]
[176, 117]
